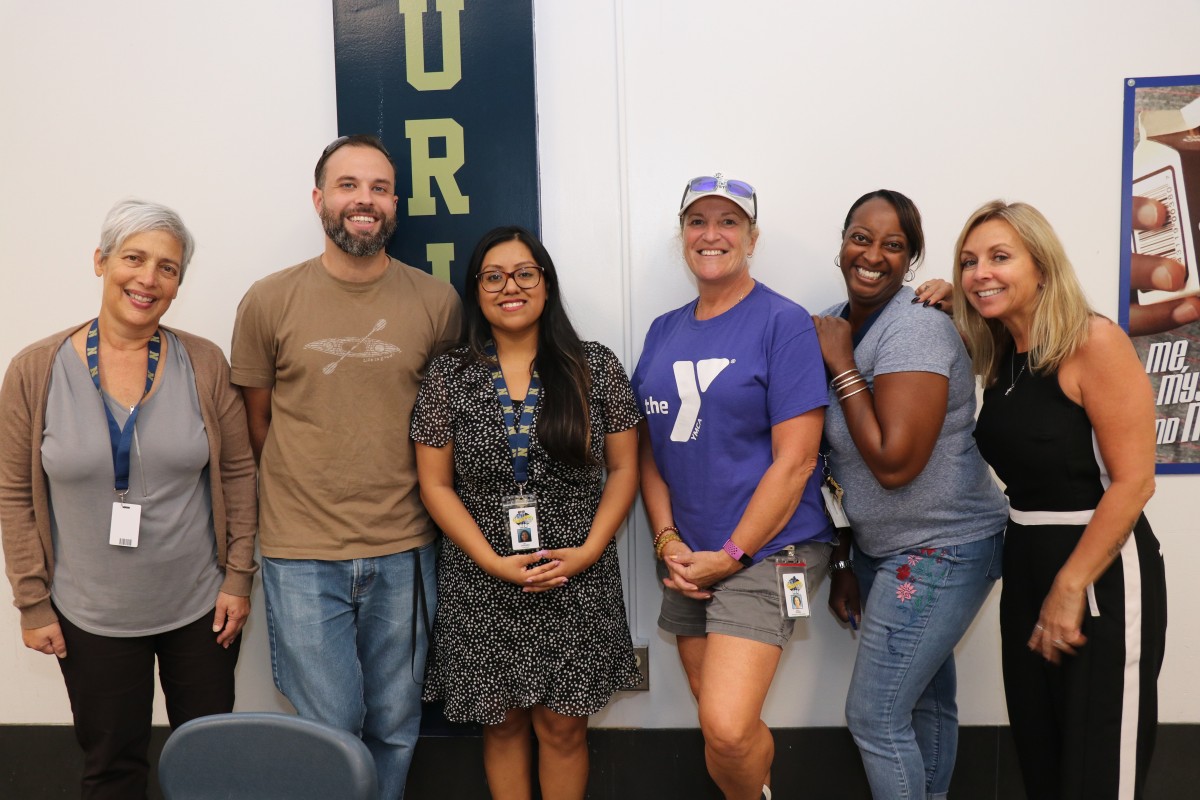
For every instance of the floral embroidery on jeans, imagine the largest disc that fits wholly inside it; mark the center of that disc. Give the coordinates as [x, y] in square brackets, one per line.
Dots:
[929, 572]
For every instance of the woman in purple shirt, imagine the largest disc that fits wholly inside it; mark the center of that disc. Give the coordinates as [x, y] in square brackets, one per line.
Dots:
[733, 390]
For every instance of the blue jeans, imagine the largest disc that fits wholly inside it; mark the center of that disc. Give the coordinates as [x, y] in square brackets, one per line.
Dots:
[348, 648]
[901, 708]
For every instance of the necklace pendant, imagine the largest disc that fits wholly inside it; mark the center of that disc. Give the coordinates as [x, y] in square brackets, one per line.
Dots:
[1008, 391]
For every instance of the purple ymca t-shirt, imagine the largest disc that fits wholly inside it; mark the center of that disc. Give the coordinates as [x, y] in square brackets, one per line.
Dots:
[711, 390]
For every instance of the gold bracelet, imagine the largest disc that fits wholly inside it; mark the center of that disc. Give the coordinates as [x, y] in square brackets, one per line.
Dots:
[663, 542]
[661, 531]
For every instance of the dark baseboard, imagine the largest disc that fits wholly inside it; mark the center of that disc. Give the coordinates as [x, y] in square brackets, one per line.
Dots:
[43, 761]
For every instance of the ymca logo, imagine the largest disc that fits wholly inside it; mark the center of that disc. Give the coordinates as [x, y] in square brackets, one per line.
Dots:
[691, 381]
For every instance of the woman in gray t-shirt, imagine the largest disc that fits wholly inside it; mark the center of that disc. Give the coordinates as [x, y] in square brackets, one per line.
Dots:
[927, 519]
[127, 504]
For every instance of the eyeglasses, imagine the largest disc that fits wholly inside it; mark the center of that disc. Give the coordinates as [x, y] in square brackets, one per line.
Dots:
[494, 280]
[738, 191]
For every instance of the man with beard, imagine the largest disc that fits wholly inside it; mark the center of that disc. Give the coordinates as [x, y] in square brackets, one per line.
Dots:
[329, 355]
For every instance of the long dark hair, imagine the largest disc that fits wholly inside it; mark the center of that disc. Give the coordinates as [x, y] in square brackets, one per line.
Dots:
[563, 427]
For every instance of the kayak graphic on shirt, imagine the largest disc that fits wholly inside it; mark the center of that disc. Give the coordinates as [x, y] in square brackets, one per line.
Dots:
[363, 347]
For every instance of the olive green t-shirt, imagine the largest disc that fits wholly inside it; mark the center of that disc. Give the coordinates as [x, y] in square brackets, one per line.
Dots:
[337, 476]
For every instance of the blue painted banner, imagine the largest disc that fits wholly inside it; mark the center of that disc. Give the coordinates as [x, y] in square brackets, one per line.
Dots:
[449, 87]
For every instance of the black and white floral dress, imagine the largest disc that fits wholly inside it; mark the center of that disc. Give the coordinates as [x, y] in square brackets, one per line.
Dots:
[494, 646]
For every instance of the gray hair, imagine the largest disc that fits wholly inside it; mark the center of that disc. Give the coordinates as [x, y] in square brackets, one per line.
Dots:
[131, 217]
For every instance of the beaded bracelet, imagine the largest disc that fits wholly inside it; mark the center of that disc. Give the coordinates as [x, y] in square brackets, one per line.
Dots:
[663, 530]
[662, 543]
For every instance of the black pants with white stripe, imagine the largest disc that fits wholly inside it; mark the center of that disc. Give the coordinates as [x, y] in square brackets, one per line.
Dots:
[1084, 729]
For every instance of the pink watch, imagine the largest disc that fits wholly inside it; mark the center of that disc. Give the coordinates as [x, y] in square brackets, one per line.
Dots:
[737, 553]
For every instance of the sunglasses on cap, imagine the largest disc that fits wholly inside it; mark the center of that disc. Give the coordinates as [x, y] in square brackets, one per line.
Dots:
[739, 192]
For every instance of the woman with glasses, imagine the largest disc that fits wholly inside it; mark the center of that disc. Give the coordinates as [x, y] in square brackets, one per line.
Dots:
[927, 518]
[734, 395]
[527, 460]
[1068, 424]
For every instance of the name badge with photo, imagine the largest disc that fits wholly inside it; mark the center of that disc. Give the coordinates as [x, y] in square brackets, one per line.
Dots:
[522, 522]
[792, 579]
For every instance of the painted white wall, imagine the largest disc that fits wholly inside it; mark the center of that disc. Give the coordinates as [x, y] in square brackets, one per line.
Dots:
[219, 109]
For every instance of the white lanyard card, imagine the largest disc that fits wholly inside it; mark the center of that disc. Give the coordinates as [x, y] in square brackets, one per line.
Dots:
[126, 522]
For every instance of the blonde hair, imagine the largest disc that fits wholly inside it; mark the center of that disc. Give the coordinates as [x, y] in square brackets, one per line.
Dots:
[1061, 313]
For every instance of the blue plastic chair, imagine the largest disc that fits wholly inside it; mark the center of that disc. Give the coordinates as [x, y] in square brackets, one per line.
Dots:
[265, 756]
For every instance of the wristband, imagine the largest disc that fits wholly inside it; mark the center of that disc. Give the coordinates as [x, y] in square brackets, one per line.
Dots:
[839, 566]
[737, 553]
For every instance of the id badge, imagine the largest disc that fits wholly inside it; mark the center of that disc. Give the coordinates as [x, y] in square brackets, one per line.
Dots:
[521, 510]
[833, 504]
[126, 522]
[791, 578]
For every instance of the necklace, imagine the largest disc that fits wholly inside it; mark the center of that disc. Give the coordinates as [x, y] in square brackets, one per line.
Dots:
[741, 297]
[1012, 363]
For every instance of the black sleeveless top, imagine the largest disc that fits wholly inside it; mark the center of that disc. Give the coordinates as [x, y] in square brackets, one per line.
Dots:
[1039, 443]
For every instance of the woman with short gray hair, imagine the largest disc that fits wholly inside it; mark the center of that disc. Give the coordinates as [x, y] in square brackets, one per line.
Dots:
[127, 504]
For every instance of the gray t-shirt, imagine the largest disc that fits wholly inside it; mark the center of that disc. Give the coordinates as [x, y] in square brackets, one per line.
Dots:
[172, 577]
[954, 500]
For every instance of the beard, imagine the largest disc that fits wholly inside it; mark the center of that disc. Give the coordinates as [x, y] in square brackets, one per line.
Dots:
[355, 244]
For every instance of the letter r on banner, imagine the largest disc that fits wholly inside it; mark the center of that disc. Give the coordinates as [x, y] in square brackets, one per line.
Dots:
[425, 167]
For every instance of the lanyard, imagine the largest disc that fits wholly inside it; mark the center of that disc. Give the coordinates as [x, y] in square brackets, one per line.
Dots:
[120, 439]
[516, 428]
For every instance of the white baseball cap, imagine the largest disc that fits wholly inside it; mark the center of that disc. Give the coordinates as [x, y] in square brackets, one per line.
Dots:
[738, 192]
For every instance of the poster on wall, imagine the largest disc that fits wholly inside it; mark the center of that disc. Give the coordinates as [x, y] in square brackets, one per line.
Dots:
[449, 87]
[1160, 274]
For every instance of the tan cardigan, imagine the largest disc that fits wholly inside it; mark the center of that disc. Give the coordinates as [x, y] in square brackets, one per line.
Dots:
[25, 493]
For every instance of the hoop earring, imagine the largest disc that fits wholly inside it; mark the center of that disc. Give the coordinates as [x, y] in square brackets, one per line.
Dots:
[910, 276]
[837, 261]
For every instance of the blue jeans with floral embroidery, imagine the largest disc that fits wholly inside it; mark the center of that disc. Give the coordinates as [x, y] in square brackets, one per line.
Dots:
[901, 708]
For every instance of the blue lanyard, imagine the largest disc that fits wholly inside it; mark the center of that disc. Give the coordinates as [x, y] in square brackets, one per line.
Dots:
[120, 439]
[517, 429]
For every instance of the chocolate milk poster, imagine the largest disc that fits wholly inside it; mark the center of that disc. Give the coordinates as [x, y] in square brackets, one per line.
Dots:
[1160, 273]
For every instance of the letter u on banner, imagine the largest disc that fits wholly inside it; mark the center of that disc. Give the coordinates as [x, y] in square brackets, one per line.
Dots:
[413, 12]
